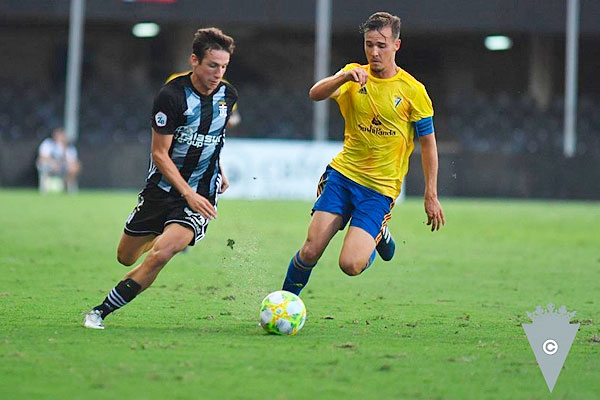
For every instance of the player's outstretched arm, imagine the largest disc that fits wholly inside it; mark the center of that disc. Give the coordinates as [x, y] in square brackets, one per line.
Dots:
[429, 160]
[162, 160]
[330, 86]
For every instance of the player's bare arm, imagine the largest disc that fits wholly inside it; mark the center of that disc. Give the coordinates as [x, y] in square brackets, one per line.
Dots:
[330, 86]
[164, 163]
[429, 161]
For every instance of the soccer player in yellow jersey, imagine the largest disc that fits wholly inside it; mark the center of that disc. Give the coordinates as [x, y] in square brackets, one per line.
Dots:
[384, 108]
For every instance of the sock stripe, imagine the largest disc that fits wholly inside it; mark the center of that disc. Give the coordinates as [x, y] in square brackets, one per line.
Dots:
[119, 297]
[113, 299]
[111, 302]
[300, 265]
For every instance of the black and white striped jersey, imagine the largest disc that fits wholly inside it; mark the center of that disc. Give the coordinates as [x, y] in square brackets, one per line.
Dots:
[197, 123]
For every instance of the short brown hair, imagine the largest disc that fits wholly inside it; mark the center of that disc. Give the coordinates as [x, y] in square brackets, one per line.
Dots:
[380, 20]
[211, 39]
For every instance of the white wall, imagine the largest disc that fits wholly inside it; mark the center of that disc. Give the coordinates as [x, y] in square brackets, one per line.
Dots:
[275, 169]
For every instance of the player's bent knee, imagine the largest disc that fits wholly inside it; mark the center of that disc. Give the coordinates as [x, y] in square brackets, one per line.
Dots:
[351, 267]
[126, 260]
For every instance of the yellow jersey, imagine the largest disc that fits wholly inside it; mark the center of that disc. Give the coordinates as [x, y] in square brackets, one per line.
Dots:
[379, 131]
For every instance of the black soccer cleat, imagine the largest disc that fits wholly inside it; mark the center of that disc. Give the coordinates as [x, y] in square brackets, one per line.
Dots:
[386, 246]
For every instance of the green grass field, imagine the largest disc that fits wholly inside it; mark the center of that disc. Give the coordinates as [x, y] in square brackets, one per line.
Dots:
[441, 321]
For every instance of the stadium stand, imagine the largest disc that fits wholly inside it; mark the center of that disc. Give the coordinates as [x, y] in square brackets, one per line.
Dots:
[504, 123]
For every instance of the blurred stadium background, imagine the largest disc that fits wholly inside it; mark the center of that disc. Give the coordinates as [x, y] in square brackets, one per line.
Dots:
[499, 113]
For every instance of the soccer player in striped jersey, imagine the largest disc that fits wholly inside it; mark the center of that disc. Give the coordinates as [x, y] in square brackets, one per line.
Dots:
[384, 108]
[189, 117]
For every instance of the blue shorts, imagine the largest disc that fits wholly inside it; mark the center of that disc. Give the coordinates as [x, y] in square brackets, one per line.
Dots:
[364, 207]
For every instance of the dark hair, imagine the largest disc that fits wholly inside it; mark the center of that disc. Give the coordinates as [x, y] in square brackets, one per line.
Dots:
[211, 39]
[380, 20]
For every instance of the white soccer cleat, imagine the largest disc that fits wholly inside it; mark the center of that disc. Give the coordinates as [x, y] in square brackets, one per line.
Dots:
[93, 320]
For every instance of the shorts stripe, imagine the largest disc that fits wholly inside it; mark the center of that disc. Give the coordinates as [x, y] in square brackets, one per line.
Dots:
[199, 233]
[322, 183]
[387, 217]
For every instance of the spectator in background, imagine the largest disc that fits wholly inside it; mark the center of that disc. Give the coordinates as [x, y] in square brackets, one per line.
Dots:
[57, 164]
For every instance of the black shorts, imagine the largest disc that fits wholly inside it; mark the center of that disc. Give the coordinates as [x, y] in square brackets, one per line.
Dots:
[156, 209]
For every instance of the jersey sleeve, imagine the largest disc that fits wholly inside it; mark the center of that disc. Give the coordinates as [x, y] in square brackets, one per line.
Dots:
[422, 113]
[232, 94]
[344, 88]
[166, 112]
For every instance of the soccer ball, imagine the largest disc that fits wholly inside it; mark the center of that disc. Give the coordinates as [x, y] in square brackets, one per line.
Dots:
[282, 313]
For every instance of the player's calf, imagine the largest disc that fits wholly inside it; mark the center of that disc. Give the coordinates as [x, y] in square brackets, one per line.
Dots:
[157, 258]
[172, 241]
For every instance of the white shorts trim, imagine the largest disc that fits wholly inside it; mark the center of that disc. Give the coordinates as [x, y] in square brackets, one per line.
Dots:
[199, 230]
